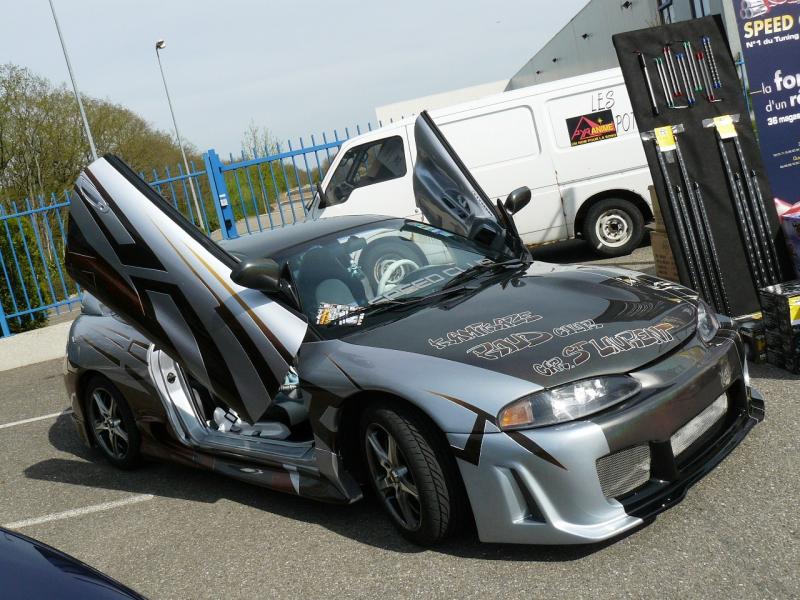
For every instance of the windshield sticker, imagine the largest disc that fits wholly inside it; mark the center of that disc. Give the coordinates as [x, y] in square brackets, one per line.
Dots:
[505, 346]
[632, 339]
[340, 314]
[407, 288]
[433, 230]
[479, 330]
[573, 328]
[432, 279]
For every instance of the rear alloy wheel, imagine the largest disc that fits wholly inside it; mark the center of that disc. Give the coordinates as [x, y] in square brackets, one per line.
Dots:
[112, 424]
[412, 474]
[614, 227]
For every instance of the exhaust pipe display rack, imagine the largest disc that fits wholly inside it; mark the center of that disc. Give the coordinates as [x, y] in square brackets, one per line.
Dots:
[720, 222]
[683, 74]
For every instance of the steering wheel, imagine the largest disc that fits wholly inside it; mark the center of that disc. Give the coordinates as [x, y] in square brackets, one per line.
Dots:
[384, 285]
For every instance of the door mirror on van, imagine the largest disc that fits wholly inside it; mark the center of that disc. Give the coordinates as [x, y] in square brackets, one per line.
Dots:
[262, 274]
[517, 200]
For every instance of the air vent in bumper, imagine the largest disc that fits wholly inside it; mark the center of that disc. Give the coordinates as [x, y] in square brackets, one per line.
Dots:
[691, 432]
[624, 471]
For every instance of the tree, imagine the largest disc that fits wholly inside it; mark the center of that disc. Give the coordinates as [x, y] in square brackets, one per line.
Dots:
[42, 150]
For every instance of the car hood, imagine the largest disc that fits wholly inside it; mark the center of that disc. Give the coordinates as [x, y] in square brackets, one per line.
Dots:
[549, 325]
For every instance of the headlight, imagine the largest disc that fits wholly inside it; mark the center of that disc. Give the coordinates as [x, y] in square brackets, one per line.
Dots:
[707, 322]
[568, 402]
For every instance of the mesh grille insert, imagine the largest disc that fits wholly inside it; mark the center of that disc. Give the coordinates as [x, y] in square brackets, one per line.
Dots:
[689, 433]
[624, 471]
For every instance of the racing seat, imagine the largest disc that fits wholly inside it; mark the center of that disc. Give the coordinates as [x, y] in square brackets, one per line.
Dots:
[323, 278]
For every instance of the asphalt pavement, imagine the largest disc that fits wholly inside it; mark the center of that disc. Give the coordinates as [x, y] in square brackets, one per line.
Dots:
[173, 532]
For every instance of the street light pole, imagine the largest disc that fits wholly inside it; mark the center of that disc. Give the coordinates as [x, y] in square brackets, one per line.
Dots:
[160, 45]
[74, 85]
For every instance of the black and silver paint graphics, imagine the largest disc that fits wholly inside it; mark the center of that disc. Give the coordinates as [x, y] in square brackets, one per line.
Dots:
[144, 260]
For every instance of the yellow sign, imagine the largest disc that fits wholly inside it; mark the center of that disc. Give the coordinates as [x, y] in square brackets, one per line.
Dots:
[794, 309]
[664, 138]
[725, 127]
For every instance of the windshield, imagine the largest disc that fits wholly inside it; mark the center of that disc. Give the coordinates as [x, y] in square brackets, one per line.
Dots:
[355, 278]
[366, 164]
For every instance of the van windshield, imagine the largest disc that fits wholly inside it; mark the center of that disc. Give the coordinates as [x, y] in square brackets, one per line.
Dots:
[366, 164]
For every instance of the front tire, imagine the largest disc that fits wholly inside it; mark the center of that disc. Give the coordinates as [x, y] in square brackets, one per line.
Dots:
[413, 473]
[614, 227]
[111, 423]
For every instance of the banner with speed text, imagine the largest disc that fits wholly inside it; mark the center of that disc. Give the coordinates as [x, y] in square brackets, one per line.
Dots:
[770, 34]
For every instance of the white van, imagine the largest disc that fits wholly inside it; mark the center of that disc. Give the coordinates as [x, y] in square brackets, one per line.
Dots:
[573, 142]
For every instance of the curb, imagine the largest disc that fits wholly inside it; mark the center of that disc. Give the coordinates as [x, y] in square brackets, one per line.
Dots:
[31, 347]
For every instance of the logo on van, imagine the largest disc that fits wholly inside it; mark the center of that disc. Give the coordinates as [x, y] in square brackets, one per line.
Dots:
[594, 127]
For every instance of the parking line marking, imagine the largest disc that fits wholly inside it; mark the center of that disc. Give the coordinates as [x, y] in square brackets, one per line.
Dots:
[34, 419]
[77, 512]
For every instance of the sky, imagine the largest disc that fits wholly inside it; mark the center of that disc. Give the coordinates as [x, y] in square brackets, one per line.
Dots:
[296, 67]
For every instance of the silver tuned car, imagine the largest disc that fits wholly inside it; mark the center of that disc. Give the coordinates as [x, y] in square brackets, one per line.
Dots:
[433, 362]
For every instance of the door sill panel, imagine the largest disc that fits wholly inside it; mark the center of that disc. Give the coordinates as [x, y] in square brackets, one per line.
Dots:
[193, 432]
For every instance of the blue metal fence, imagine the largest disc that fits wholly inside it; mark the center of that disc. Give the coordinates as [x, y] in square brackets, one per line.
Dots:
[268, 188]
[32, 277]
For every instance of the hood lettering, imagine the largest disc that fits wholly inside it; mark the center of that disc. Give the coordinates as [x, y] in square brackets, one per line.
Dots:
[608, 345]
[505, 346]
[482, 329]
[578, 327]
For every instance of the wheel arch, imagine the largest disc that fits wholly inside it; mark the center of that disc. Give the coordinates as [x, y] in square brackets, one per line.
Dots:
[631, 196]
[350, 452]
[81, 384]
[82, 380]
[350, 418]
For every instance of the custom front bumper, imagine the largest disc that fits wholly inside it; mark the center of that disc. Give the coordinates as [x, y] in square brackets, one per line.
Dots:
[520, 495]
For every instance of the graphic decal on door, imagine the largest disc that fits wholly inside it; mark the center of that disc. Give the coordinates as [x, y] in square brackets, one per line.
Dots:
[141, 257]
[592, 127]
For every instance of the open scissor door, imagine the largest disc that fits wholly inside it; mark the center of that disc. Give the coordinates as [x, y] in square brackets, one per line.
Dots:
[450, 197]
[142, 258]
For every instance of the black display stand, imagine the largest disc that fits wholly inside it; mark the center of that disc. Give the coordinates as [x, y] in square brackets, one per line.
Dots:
[701, 154]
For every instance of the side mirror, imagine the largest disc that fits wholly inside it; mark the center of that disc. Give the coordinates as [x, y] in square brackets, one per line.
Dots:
[258, 274]
[517, 200]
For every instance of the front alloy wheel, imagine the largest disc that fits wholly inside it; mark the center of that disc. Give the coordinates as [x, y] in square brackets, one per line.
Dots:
[413, 472]
[391, 477]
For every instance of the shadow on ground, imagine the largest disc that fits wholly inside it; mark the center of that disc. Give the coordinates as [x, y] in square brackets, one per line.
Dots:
[363, 521]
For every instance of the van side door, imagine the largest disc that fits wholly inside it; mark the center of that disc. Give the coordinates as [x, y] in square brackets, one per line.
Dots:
[501, 144]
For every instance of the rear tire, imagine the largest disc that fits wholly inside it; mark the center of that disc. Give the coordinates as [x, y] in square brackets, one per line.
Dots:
[420, 467]
[111, 423]
[613, 227]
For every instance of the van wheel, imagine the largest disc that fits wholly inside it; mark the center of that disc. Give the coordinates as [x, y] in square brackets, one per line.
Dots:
[614, 227]
[378, 256]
